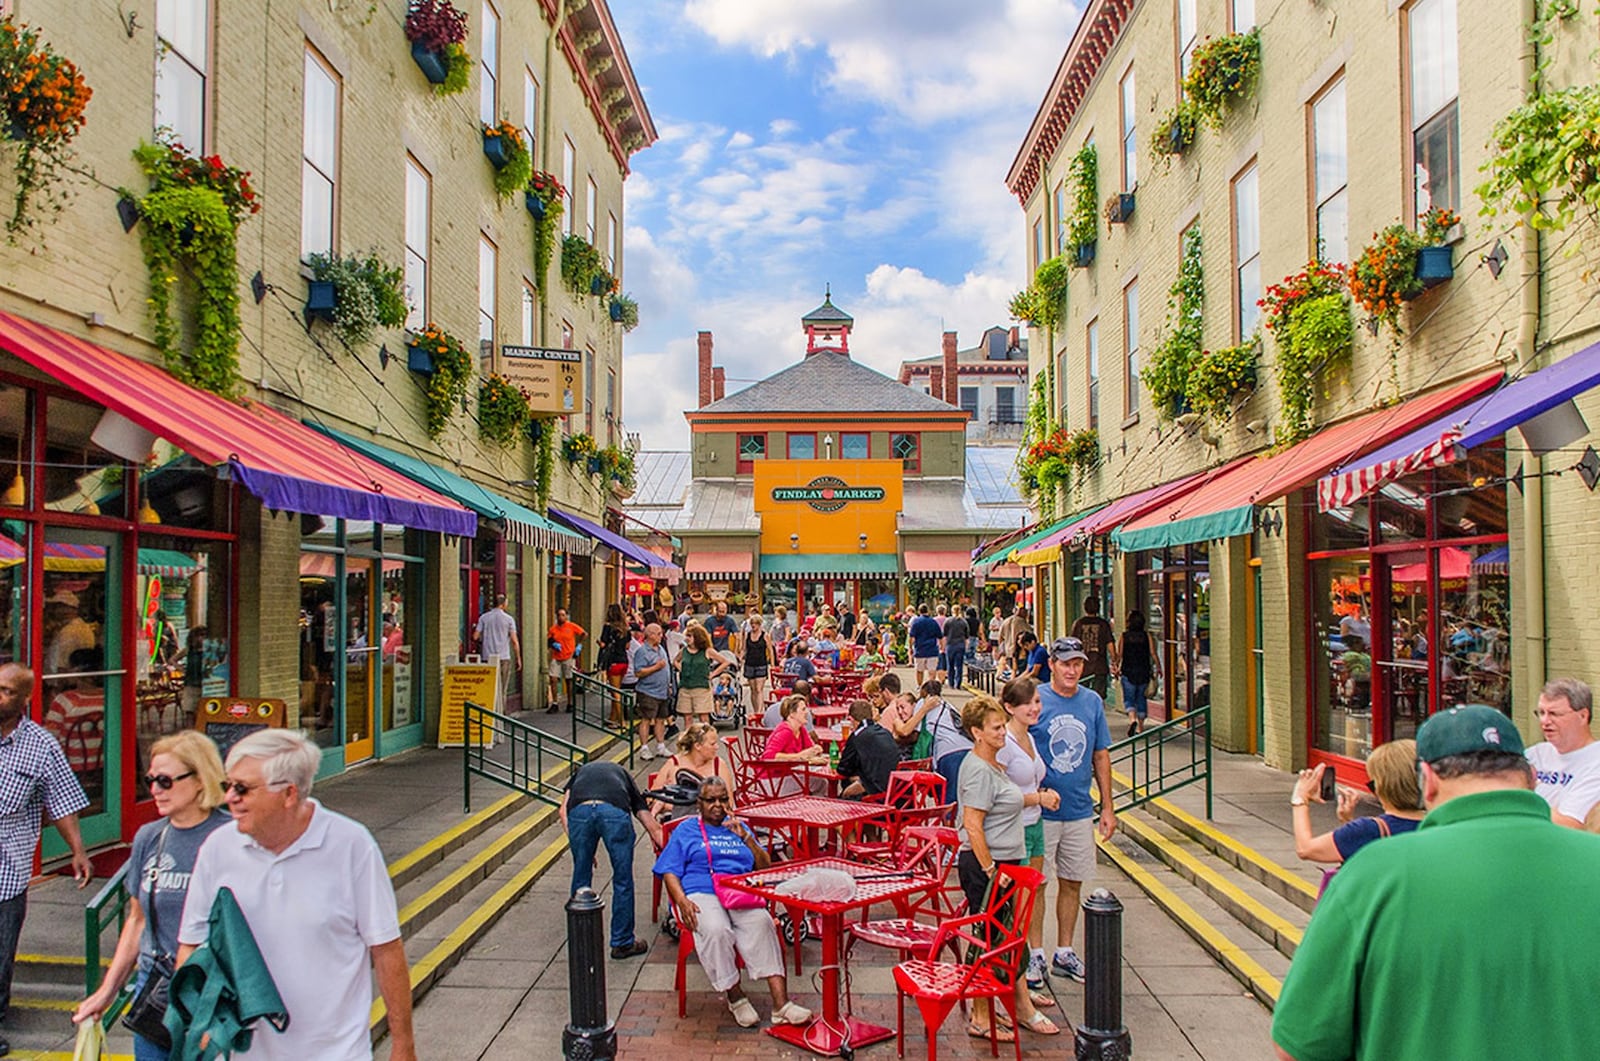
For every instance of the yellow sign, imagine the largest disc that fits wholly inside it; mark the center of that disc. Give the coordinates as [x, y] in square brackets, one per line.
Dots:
[477, 682]
[552, 378]
[828, 506]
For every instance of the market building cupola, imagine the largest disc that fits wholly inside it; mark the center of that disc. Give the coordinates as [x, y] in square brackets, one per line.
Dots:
[827, 327]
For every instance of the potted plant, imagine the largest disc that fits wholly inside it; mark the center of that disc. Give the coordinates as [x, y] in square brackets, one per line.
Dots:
[577, 449]
[1166, 377]
[1384, 274]
[1546, 164]
[1175, 130]
[1040, 302]
[1434, 265]
[1222, 71]
[617, 467]
[1083, 227]
[1218, 377]
[503, 410]
[1310, 318]
[44, 97]
[449, 371]
[1119, 208]
[580, 264]
[625, 311]
[545, 191]
[513, 162]
[437, 31]
[357, 294]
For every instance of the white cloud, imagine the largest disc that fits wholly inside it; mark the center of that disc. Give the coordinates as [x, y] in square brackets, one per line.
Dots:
[781, 127]
[738, 140]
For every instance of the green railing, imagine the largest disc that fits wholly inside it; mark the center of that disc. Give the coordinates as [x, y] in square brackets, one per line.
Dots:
[604, 707]
[514, 754]
[1163, 759]
[108, 907]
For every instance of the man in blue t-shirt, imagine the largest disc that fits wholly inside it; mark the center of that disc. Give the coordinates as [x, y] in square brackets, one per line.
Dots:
[1035, 658]
[1073, 738]
[924, 634]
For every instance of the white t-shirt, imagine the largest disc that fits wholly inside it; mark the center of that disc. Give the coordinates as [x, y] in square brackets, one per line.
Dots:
[1569, 783]
[315, 910]
[495, 628]
[1025, 771]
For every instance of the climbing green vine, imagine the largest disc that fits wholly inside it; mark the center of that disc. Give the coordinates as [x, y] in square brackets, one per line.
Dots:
[1166, 377]
[1083, 173]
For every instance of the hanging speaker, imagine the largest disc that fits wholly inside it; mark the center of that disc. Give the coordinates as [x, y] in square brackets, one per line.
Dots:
[1555, 428]
[117, 434]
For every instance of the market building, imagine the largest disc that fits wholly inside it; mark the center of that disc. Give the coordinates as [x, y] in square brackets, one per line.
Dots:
[1335, 529]
[827, 483]
[218, 483]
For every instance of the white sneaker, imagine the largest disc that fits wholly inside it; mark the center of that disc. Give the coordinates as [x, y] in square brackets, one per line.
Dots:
[661, 749]
[645, 752]
[1037, 968]
[744, 1013]
[791, 1013]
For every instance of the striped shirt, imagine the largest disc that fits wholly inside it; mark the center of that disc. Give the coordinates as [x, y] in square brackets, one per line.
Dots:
[35, 782]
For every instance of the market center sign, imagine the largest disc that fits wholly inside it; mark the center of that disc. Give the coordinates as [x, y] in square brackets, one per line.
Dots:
[827, 493]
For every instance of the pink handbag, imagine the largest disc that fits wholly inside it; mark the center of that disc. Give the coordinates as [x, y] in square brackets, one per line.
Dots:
[730, 898]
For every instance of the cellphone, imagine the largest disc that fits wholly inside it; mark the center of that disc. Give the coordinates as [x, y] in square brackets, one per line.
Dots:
[1330, 784]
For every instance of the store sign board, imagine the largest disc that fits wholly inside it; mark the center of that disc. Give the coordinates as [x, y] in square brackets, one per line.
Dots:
[827, 493]
[551, 377]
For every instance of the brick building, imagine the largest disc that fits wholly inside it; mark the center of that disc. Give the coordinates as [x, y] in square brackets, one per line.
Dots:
[313, 540]
[1323, 584]
[989, 382]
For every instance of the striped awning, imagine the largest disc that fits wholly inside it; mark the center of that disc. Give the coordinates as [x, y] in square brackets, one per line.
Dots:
[830, 565]
[716, 564]
[938, 563]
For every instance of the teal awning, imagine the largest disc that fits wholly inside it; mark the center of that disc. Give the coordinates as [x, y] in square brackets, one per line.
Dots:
[1212, 526]
[829, 565]
[999, 555]
[517, 522]
[168, 562]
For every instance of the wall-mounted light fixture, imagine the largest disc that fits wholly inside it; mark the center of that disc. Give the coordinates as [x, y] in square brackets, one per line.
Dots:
[794, 541]
[827, 447]
[862, 538]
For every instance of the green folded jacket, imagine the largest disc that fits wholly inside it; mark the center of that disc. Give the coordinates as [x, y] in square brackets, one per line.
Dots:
[223, 989]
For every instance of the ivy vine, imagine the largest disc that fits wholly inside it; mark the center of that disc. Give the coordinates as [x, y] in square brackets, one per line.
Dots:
[1166, 377]
[1083, 172]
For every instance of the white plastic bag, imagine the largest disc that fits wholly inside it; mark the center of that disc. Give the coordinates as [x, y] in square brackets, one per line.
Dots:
[91, 1041]
[820, 885]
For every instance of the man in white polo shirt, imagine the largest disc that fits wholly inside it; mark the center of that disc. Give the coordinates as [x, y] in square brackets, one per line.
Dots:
[314, 888]
[1566, 764]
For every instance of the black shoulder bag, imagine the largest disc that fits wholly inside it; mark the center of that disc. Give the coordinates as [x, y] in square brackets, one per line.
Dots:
[147, 1011]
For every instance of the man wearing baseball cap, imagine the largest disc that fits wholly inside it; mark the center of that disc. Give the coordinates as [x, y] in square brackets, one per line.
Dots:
[1444, 942]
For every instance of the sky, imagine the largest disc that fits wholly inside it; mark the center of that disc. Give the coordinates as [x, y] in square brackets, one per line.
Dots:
[858, 143]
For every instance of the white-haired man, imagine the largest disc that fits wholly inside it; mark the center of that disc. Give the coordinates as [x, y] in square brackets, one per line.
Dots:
[314, 888]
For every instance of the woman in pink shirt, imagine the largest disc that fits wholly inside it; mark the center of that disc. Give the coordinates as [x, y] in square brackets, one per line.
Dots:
[792, 742]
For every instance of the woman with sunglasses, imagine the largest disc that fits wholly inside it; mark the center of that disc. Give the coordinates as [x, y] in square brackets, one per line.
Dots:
[185, 780]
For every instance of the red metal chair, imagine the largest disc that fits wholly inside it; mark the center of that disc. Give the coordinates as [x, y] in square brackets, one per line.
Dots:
[680, 980]
[751, 781]
[921, 766]
[999, 939]
[910, 799]
[655, 880]
[926, 850]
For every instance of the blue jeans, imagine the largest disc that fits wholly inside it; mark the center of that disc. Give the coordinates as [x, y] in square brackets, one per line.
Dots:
[589, 825]
[12, 911]
[956, 657]
[1133, 698]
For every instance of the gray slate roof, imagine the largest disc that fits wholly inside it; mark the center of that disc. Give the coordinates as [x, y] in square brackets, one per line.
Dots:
[828, 383]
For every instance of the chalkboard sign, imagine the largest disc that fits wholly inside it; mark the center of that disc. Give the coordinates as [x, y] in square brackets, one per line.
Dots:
[228, 720]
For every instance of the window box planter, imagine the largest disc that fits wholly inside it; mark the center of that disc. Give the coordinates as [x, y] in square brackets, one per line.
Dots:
[419, 360]
[497, 151]
[430, 62]
[594, 465]
[320, 300]
[616, 311]
[1178, 405]
[1180, 134]
[1120, 209]
[597, 285]
[1434, 265]
[534, 204]
[1083, 257]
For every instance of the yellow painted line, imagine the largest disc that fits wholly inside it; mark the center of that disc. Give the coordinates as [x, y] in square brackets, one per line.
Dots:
[450, 836]
[1209, 880]
[1246, 969]
[56, 959]
[57, 1055]
[1244, 851]
[59, 1004]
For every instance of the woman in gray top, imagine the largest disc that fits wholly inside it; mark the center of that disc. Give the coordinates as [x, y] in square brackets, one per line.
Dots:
[185, 781]
[992, 833]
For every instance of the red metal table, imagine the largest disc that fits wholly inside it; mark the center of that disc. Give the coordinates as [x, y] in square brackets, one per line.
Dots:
[775, 770]
[801, 818]
[826, 1033]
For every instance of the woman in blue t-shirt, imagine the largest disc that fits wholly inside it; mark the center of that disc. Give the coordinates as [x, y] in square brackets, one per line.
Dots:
[185, 781]
[1393, 770]
[714, 842]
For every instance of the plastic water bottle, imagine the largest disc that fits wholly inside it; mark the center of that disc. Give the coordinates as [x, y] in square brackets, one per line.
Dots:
[833, 755]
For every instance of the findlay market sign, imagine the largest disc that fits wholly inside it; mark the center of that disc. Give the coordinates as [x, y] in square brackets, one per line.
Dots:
[827, 493]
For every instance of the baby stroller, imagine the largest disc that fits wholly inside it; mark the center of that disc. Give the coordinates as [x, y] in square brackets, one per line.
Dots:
[728, 701]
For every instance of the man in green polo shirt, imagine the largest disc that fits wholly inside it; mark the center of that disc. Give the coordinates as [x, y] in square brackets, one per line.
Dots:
[1443, 943]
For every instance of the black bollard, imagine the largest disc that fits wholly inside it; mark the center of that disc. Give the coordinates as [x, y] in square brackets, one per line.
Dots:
[588, 1035]
[1101, 1036]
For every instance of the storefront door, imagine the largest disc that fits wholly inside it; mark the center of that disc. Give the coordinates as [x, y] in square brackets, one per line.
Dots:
[82, 674]
[362, 656]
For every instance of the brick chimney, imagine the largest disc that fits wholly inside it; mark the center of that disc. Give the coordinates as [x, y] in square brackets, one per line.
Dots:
[705, 370]
[1014, 340]
[719, 384]
[936, 381]
[952, 380]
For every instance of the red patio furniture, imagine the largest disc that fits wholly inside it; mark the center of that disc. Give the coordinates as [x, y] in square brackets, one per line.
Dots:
[999, 935]
[929, 850]
[655, 879]
[912, 798]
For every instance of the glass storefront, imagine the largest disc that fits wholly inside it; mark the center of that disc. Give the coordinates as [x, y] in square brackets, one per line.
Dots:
[1174, 591]
[1411, 599]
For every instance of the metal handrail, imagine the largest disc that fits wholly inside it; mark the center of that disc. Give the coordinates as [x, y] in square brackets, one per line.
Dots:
[110, 904]
[592, 702]
[519, 756]
[1163, 759]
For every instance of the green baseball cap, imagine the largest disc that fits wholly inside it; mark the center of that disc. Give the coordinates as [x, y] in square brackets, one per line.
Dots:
[1467, 728]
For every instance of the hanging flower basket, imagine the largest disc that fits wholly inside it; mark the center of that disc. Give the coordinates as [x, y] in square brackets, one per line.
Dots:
[1083, 257]
[419, 360]
[597, 285]
[534, 204]
[321, 300]
[616, 311]
[1434, 265]
[1119, 208]
[497, 150]
[594, 464]
[431, 63]
[437, 30]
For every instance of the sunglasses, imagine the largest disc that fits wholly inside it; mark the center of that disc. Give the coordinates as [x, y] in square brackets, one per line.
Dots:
[164, 781]
[240, 789]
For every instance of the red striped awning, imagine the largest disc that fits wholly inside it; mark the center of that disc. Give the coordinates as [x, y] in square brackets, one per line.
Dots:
[718, 564]
[938, 563]
[286, 464]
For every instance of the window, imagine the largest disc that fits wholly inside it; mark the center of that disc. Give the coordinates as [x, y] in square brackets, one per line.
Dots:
[1092, 343]
[1331, 174]
[569, 167]
[419, 193]
[488, 67]
[589, 210]
[1435, 131]
[751, 448]
[319, 170]
[611, 406]
[1038, 243]
[611, 245]
[969, 401]
[907, 447]
[588, 389]
[1186, 36]
[1130, 135]
[1061, 221]
[1005, 405]
[855, 445]
[1061, 389]
[183, 44]
[530, 309]
[487, 263]
[1247, 250]
[566, 335]
[802, 447]
[530, 108]
[1130, 357]
[1244, 16]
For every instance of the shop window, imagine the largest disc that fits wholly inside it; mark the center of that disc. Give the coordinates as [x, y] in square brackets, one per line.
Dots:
[1342, 657]
[182, 492]
[183, 640]
[751, 449]
[907, 448]
[855, 445]
[1469, 496]
[802, 447]
[489, 67]
[419, 196]
[183, 51]
[1435, 128]
[319, 171]
[1401, 512]
[1330, 174]
[78, 476]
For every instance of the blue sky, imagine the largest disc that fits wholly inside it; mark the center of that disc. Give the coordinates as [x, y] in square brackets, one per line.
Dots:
[862, 143]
